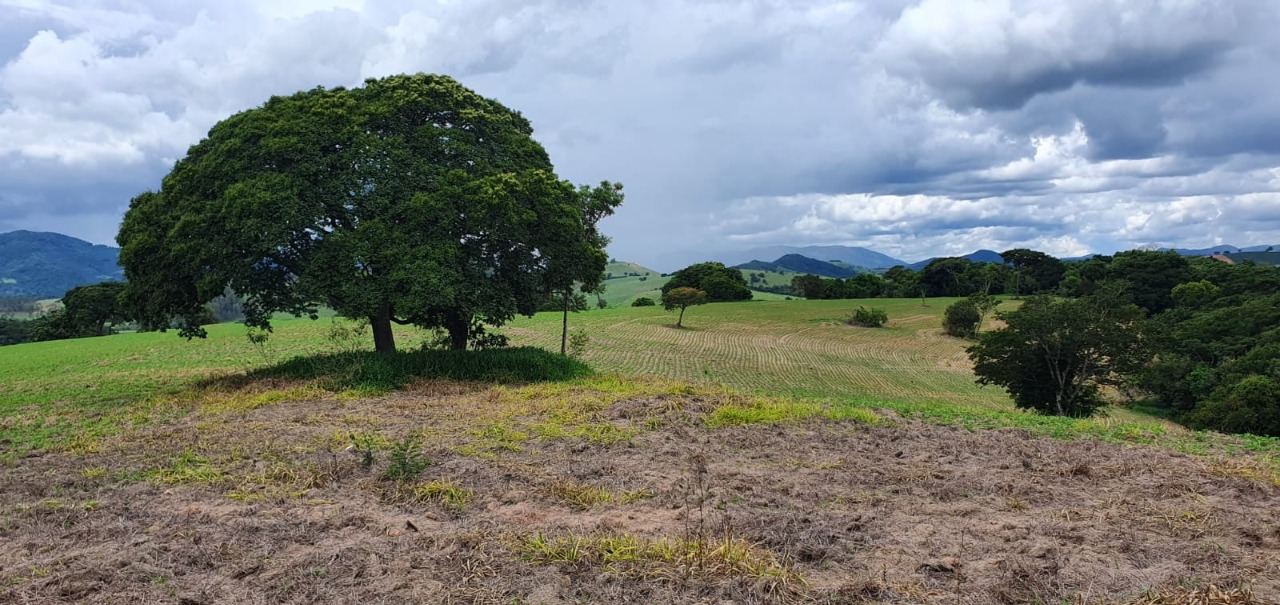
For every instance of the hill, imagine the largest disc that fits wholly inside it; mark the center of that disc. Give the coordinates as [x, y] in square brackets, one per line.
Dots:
[800, 264]
[851, 255]
[1261, 258]
[46, 265]
[1225, 248]
[619, 269]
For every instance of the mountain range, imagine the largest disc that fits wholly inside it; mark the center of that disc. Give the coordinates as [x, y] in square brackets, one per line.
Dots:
[46, 265]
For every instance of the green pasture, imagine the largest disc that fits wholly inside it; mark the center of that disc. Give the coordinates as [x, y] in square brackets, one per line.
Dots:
[798, 348]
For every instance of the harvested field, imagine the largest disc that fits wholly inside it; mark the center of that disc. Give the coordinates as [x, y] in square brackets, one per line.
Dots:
[614, 491]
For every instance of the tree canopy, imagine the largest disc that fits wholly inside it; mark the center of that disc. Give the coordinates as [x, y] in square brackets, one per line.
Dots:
[682, 298]
[1053, 355]
[410, 200]
[721, 283]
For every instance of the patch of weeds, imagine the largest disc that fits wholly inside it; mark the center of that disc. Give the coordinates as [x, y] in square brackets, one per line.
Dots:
[1248, 469]
[366, 445]
[243, 402]
[405, 460]
[443, 491]
[497, 437]
[93, 472]
[729, 557]
[596, 433]
[187, 468]
[585, 496]
[778, 411]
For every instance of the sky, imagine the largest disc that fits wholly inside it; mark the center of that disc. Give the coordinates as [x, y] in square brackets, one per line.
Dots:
[917, 128]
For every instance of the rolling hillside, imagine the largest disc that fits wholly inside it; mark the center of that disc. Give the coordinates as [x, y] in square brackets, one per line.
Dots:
[796, 263]
[46, 265]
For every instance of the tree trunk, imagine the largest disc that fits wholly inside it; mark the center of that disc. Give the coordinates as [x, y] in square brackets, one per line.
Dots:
[564, 326]
[459, 328]
[384, 340]
[680, 320]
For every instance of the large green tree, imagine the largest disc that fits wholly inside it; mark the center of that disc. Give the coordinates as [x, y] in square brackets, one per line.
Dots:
[720, 283]
[90, 308]
[1053, 355]
[1151, 276]
[409, 200]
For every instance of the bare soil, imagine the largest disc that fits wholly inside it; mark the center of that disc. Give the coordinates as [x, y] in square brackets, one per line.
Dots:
[273, 505]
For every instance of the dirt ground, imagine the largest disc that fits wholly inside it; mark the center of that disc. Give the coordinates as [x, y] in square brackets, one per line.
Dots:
[274, 504]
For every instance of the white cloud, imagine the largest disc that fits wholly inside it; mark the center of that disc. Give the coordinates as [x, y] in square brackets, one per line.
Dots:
[913, 127]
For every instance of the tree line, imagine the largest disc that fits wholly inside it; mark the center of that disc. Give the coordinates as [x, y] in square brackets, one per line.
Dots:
[1195, 337]
[1023, 271]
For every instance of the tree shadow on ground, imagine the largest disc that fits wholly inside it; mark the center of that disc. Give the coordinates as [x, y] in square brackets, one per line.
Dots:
[370, 371]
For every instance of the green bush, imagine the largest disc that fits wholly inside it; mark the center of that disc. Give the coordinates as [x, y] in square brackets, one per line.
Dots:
[1251, 405]
[643, 301]
[961, 319]
[868, 317]
[405, 460]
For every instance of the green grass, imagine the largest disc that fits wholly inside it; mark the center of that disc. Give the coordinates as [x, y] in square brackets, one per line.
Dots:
[769, 278]
[800, 348]
[92, 387]
[796, 356]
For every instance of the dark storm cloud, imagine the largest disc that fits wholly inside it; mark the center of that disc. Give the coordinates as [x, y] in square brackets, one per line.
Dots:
[919, 127]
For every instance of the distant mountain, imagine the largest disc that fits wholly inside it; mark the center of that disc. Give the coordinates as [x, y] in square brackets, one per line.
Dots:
[800, 264]
[852, 255]
[980, 256]
[1221, 249]
[46, 265]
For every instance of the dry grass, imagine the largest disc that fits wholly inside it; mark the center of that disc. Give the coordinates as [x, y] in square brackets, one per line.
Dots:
[706, 495]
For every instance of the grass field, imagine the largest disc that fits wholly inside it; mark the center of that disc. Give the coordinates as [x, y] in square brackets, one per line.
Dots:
[620, 292]
[55, 390]
[767, 453]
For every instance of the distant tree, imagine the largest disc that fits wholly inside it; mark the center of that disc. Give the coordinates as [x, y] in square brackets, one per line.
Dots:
[1053, 355]
[901, 282]
[720, 283]
[409, 200]
[947, 277]
[14, 331]
[1033, 271]
[682, 298]
[1151, 276]
[1085, 277]
[90, 308]
[961, 319]
[643, 301]
[54, 325]
[812, 287]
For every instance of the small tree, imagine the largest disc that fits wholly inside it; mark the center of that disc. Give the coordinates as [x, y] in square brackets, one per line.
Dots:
[1053, 355]
[643, 301]
[682, 298]
[984, 303]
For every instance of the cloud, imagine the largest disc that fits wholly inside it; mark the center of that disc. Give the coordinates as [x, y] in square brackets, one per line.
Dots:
[915, 127]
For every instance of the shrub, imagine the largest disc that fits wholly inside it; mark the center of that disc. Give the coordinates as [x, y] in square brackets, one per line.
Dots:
[643, 301]
[578, 341]
[1251, 405]
[405, 460]
[961, 319]
[868, 317]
